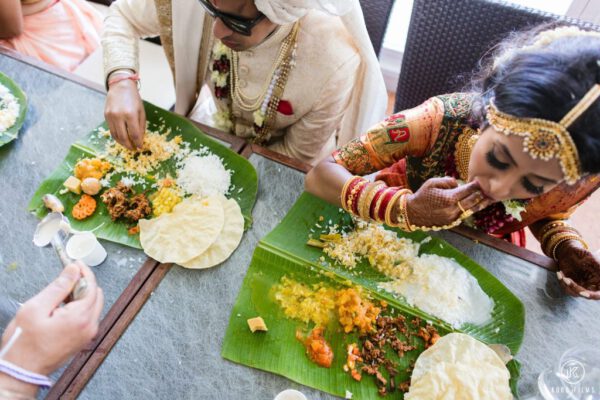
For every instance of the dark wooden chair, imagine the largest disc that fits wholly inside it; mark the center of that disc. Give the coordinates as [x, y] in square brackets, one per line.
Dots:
[447, 38]
[377, 15]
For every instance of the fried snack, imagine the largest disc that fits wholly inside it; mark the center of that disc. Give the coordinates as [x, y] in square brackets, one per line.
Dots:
[91, 168]
[138, 207]
[116, 201]
[84, 207]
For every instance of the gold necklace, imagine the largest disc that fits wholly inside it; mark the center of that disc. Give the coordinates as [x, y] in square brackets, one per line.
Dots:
[250, 104]
[464, 148]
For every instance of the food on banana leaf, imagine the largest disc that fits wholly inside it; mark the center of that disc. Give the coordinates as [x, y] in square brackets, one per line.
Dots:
[437, 285]
[9, 109]
[383, 249]
[227, 241]
[355, 312]
[122, 202]
[91, 168]
[204, 176]
[157, 147]
[320, 303]
[185, 233]
[257, 324]
[52, 203]
[459, 366]
[392, 335]
[306, 303]
[91, 186]
[164, 200]
[72, 184]
[84, 208]
[441, 287]
[139, 207]
[317, 348]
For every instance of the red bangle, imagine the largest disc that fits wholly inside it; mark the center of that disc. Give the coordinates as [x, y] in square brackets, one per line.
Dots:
[132, 77]
[386, 197]
[376, 199]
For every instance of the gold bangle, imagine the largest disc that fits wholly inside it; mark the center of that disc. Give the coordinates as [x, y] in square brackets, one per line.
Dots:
[549, 241]
[371, 191]
[391, 205]
[345, 190]
[353, 193]
[563, 239]
[557, 229]
[404, 212]
[362, 198]
[553, 224]
[551, 245]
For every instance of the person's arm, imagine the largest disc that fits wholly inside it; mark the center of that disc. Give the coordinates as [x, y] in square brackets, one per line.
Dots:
[578, 268]
[126, 23]
[409, 132]
[51, 333]
[11, 19]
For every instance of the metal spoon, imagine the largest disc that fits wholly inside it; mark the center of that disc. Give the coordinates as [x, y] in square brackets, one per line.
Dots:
[51, 230]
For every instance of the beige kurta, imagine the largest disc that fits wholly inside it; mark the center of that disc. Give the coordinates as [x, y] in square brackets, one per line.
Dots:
[319, 88]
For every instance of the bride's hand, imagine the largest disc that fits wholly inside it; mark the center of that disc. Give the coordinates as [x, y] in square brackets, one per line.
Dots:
[579, 270]
[441, 201]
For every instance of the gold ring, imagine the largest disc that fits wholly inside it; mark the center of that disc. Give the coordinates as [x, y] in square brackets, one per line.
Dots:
[461, 207]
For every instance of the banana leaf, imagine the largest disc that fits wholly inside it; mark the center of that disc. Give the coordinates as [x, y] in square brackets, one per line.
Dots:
[11, 133]
[243, 178]
[284, 252]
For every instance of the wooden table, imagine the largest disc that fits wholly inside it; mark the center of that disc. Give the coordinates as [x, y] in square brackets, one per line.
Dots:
[171, 349]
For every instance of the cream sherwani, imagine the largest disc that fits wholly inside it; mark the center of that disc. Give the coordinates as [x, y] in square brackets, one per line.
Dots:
[319, 87]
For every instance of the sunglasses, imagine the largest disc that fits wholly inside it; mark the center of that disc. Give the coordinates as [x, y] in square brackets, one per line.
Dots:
[235, 23]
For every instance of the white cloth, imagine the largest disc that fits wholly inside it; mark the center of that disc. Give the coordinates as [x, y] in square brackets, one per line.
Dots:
[369, 99]
[283, 12]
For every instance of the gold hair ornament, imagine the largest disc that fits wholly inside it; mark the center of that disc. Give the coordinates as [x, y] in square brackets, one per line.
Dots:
[546, 139]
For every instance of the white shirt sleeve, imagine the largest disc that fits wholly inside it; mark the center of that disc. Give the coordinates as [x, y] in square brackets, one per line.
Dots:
[126, 23]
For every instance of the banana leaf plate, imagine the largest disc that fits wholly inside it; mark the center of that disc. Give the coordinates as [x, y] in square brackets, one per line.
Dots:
[283, 252]
[11, 133]
[243, 178]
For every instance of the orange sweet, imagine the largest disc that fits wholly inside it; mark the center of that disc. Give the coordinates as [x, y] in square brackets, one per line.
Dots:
[84, 207]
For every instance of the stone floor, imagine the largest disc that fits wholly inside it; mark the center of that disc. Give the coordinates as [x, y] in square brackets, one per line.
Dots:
[582, 219]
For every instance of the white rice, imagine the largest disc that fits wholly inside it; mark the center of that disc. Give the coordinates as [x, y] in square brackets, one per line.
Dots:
[204, 176]
[443, 288]
[9, 108]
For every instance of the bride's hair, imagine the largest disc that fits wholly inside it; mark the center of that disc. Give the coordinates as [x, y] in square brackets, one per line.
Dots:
[543, 73]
